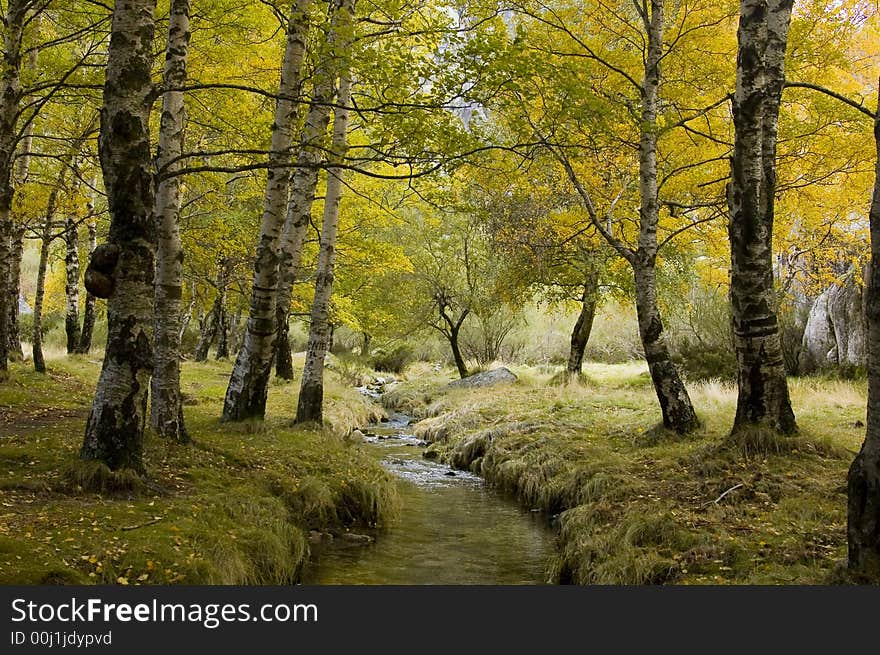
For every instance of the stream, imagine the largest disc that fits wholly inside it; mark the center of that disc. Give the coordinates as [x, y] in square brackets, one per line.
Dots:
[453, 529]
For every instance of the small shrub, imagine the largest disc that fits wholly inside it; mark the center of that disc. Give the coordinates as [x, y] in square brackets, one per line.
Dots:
[393, 361]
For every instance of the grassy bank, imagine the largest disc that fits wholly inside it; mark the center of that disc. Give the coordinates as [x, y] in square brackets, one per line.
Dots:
[638, 505]
[235, 507]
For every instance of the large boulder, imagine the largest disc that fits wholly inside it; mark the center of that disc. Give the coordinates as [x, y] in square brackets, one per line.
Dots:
[486, 378]
[836, 333]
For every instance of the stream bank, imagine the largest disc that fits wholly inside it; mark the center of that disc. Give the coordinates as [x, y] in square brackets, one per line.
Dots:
[452, 529]
[638, 505]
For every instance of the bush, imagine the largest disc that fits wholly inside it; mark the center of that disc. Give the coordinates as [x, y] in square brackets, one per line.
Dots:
[701, 336]
[615, 335]
[392, 361]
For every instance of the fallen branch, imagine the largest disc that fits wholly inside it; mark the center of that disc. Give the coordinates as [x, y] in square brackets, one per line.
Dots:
[721, 497]
[142, 525]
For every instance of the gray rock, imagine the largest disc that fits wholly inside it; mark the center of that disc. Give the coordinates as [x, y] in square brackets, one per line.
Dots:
[486, 378]
[836, 333]
[356, 539]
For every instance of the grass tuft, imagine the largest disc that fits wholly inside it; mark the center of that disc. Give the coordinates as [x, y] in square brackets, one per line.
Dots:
[89, 476]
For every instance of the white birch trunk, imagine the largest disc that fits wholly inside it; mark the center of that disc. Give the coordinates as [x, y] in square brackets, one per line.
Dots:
[88, 320]
[675, 403]
[763, 397]
[302, 193]
[248, 385]
[166, 416]
[311, 393]
[115, 429]
[71, 286]
[10, 100]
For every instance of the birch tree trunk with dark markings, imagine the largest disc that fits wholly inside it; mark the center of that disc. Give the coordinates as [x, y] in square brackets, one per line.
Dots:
[88, 321]
[122, 268]
[863, 481]
[39, 295]
[675, 403]
[311, 392]
[763, 397]
[580, 334]
[15, 351]
[166, 416]
[249, 383]
[71, 286]
[302, 193]
[10, 100]
[16, 236]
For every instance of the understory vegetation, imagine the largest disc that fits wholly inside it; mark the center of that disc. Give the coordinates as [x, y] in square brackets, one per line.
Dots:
[234, 507]
[636, 504]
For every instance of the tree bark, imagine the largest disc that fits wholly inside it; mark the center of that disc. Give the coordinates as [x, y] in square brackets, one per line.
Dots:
[311, 392]
[763, 397]
[115, 429]
[167, 404]
[283, 354]
[302, 195]
[210, 325]
[10, 101]
[580, 335]
[208, 333]
[14, 293]
[45, 243]
[249, 382]
[365, 344]
[71, 287]
[222, 332]
[863, 481]
[22, 172]
[88, 321]
[675, 403]
[456, 351]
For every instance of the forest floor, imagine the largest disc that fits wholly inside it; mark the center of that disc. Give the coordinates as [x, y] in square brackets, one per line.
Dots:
[635, 504]
[235, 507]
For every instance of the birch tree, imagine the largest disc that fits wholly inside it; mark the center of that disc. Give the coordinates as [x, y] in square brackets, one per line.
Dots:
[302, 193]
[88, 319]
[675, 403]
[248, 385]
[311, 391]
[10, 100]
[763, 396]
[863, 481]
[122, 269]
[71, 286]
[167, 407]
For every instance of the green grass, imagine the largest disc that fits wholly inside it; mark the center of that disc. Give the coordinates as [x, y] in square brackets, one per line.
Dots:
[636, 505]
[235, 507]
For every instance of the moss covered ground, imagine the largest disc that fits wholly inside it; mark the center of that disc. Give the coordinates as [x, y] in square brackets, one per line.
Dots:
[234, 507]
[634, 504]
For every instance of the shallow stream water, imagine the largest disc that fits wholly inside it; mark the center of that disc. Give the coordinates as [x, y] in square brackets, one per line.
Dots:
[453, 529]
